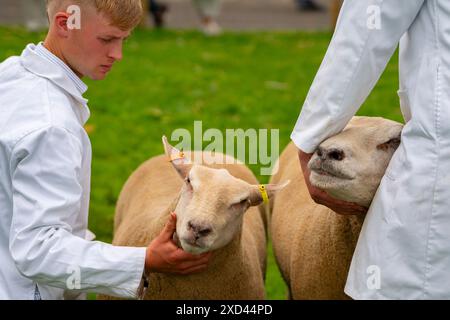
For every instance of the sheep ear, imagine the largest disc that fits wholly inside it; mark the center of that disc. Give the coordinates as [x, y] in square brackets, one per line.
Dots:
[257, 195]
[393, 136]
[178, 159]
[391, 144]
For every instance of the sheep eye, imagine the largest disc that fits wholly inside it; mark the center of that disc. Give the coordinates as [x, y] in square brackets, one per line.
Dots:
[188, 184]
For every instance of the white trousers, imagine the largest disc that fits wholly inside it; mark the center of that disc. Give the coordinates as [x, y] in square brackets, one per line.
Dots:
[207, 8]
[34, 14]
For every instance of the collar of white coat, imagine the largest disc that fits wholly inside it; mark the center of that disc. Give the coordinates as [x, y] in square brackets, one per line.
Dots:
[38, 60]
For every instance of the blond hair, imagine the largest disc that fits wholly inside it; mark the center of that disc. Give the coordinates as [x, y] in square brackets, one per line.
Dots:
[124, 14]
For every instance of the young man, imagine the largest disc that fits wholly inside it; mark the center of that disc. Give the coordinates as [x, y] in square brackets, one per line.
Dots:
[45, 159]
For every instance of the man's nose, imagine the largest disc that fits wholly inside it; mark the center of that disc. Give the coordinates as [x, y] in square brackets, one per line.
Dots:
[116, 52]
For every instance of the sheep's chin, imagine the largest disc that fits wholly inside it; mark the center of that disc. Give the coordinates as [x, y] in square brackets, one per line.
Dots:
[193, 249]
[327, 182]
[342, 189]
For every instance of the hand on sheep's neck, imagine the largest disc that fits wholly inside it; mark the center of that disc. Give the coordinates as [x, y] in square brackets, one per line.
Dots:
[176, 240]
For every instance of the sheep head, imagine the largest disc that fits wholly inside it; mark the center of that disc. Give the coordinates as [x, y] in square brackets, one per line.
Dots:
[212, 203]
[350, 165]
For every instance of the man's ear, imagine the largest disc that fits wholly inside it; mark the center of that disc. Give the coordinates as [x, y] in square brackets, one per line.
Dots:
[60, 24]
[260, 193]
[179, 161]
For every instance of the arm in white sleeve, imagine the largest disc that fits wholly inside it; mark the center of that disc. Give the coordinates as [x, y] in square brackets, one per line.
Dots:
[46, 170]
[355, 60]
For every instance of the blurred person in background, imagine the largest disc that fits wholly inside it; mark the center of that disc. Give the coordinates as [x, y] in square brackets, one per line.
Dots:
[157, 10]
[308, 5]
[34, 14]
[209, 11]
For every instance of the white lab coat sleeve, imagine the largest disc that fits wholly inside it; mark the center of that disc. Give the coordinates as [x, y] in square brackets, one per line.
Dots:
[45, 170]
[366, 36]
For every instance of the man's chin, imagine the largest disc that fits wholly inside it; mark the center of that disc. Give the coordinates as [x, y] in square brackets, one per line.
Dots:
[98, 77]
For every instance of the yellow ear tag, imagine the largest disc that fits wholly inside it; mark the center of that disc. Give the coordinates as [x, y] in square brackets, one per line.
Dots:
[262, 189]
[177, 157]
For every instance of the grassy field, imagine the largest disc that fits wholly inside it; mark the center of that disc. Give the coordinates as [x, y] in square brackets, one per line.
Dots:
[168, 80]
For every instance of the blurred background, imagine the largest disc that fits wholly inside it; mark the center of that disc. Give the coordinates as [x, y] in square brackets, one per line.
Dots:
[231, 64]
[187, 14]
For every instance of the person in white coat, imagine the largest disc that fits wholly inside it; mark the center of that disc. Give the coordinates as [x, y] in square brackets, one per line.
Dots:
[45, 162]
[403, 251]
[208, 11]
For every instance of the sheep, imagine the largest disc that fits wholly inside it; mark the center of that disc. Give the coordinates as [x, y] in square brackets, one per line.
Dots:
[313, 245]
[211, 197]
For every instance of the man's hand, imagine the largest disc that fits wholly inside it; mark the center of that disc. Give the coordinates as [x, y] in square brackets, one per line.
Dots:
[163, 256]
[321, 197]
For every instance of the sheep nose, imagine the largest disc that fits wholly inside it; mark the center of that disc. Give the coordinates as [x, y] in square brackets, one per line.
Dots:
[199, 229]
[330, 154]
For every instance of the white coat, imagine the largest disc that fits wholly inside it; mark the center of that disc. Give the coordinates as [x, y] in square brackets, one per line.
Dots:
[45, 160]
[404, 247]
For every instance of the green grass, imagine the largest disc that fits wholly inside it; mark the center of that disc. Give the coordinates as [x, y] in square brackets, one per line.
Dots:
[169, 79]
